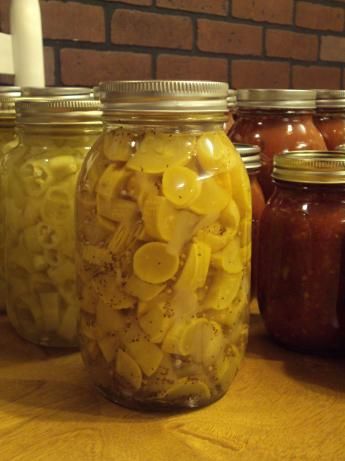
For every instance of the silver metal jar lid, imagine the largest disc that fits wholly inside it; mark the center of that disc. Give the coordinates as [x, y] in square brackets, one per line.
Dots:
[168, 96]
[231, 99]
[330, 99]
[310, 167]
[8, 97]
[250, 156]
[58, 92]
[58, 111]
[276, 99]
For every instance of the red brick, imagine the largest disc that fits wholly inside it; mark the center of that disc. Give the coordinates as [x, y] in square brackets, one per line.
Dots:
[150, 29]
[225, 37]
[49, 65]
[333, 49]
[191, 68]
[319, 17]
[89, 67]
[259, 74]
[219, 7]
[72, 21]
[5, 16]
[315, 77]
[133, 2]
[6, 79]
[277, 11]
[286, 44]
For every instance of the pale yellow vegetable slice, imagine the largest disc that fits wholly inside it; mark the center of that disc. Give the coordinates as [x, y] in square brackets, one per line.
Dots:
[112, 183]
[241, 189]
[140, 186]
[215, 152]
[212, 198]
[119, 210]
[88, 298]
[229, 258]
[108, 319]
[157, 152]
[196, 267]
[185, 389]
[48, 236]
[154, 264]
[95, 255]
[110, 293]
[222, 291]
[181, 185]
[216, 236]
[62, 166]
[155, 323]
[203, 341]
[36, 177]
[230, 217]
[109, 346]
[128, 369]
[117, 145]
[184, 228]
[142, 290]
[161, 380]
[123, 238]
[173, 341]
[147, 355]
[58, 206]
[226, 368]
[159, 217]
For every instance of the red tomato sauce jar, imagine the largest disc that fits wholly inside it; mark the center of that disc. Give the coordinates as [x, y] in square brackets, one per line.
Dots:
[301, 276]
[252, 161]
[330, 117]
[278, 121]
[232, 106]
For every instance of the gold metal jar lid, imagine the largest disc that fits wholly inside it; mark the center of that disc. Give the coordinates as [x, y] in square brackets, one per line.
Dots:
[168, 96]
[231, 99]
[58, 92]
[250, 156]
[8, 97]
[310, 167]
[330, 99]
[276, 99]
[58, 111]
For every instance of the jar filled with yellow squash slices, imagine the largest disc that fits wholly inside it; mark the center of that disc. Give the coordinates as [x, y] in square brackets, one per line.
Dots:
[163, 246]
[8, 140]
[40, 183]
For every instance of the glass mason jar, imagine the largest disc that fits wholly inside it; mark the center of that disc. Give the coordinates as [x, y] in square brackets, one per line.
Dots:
[163, 225]
[252, 161]
[232, 105]
[301, 288]
[8, 140]
[40, 181]
[277, 121]
[330, 117]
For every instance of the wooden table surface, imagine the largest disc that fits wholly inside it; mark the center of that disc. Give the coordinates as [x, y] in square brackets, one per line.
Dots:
[281, 406]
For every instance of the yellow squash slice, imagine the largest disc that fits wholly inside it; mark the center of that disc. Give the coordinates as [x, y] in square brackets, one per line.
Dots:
[128, 369]
[181, 186]
[159, 217]
[212, 198]
[154, 264]
[195, 270]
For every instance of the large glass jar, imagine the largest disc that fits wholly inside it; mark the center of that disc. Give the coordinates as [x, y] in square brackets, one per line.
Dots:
[232, 105]
[8, 140]
[301, 289]
[252, 161]
[164, 221]
[277, 121]
[330, 117]
[40, 181]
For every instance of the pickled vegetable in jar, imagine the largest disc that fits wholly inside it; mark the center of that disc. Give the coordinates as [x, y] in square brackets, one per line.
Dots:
[252, 161]
[164, 247]
[40, 180]
[232, 105]
[330, 117]
[8, 140]
[277, 121]
[301, 288]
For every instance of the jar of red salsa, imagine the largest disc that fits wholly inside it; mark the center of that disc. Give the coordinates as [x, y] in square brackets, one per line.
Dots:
[252, 161]
[301, 276]
[232, 104]
[278, 121]
[330, 117]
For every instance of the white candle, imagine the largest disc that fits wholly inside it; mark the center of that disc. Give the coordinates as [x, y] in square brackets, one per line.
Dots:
[26, 31]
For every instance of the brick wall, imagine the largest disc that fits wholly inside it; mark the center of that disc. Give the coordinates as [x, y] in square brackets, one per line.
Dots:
[250, 43]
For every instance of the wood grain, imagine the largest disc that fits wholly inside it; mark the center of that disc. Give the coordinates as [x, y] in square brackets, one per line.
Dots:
[281, 406]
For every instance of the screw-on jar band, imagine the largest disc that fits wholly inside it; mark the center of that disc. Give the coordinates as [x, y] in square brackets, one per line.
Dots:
[276, 99]
[250, 156]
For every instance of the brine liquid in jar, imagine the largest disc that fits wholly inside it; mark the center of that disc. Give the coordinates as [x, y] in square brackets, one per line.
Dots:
[164, 219]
